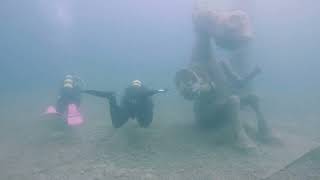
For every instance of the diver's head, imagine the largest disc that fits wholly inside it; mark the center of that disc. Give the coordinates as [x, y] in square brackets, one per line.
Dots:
[68, 76]
[68, 83]
[136, 83]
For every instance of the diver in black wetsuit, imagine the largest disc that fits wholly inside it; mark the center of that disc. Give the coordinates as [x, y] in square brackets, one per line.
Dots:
[70, 93]
[135, 104]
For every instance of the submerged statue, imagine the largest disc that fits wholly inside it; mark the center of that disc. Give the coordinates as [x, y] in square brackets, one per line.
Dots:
[218, 88]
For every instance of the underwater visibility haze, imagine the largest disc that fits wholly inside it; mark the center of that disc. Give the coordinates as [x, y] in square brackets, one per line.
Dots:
[108, 44]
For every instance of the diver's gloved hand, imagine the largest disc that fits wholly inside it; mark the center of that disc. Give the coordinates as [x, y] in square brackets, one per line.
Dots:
[154, 92]
[162, 90]
[241, 82]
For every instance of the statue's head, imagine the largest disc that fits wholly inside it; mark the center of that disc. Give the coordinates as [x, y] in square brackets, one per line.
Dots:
[229, 29]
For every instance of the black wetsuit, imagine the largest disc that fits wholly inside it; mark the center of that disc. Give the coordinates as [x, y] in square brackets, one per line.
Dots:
[135, 104]
[68, 96]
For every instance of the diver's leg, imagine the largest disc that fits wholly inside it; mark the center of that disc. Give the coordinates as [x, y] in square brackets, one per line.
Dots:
[232, 112]
[263, 128]
[205, 113]
[145, 118]
[61, 105]
[119, 115]
[77, 100]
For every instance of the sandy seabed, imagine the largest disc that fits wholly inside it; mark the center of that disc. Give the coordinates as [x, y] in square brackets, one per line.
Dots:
[32, 147]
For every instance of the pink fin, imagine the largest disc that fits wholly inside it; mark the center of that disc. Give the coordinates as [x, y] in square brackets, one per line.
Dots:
[51, 110]
[74, 116]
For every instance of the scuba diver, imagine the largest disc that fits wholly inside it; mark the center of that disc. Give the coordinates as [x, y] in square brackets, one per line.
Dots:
[68, 102]
[70, 93]
[135, 104]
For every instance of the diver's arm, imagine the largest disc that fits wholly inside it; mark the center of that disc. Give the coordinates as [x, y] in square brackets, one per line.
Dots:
[236, 79]
[228, 71]
[205, 88]
[103, 94]
[252, 75]
[249, 77]
[154, 92]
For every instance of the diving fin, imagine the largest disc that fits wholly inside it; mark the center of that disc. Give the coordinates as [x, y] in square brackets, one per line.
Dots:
[74, 116]
[51, 110]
